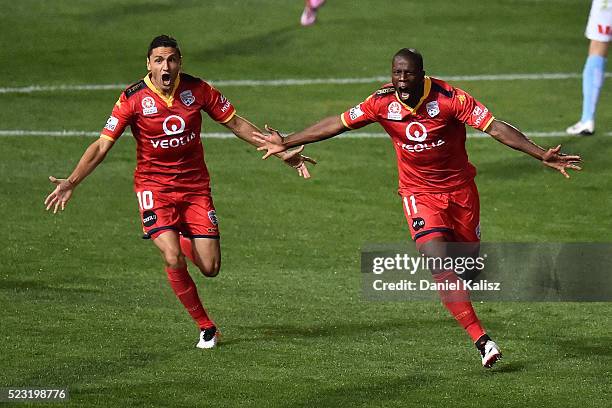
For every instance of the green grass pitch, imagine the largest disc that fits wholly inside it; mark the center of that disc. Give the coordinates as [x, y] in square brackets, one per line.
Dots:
[84, 302]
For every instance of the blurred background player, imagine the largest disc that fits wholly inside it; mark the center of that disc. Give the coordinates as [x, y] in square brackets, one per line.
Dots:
[599, 31]
[171, 180]
[425, 118]
[309, 15]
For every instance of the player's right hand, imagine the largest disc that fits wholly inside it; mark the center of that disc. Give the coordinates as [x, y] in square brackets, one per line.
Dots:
[60, 196]
[272, 142]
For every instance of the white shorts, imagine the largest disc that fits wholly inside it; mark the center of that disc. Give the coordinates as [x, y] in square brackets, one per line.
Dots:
[599, 27]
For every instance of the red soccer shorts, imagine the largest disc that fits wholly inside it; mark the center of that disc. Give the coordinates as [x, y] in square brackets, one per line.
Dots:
[190, 213]
[454, 215]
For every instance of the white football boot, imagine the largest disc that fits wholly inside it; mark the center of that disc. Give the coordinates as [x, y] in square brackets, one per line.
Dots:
[208, 338]
[586, 128]
[490, 354]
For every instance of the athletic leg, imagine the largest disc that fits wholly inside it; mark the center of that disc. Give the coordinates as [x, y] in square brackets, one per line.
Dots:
[205, 253]
[599, 32]
[179, 278]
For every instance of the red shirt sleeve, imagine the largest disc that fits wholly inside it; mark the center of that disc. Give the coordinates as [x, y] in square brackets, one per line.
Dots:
[361, 115]
[218, 107]
[119, 119]
[470, 111]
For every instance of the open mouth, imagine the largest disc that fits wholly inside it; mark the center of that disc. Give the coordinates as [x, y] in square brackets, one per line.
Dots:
[404, 94]
[165, 79]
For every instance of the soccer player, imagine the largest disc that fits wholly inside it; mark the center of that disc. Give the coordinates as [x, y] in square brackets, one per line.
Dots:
[309, 15]
[426, 119]
[171, 180]
[599, 31]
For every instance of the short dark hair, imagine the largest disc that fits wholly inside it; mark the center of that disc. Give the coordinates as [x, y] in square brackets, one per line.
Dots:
[410, 54]
[163, 41]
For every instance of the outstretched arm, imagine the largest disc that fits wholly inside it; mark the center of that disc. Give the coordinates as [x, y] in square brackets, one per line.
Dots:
[95, 153]
[514, 138]
[246, 131]
[324, 129]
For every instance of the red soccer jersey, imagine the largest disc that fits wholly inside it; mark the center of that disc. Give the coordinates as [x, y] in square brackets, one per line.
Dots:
[167, 130]
[429, 140]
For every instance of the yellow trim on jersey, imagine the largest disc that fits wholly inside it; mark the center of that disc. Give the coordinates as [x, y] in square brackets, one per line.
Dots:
[168, 99]
[426, 90]
[107, 137]
[230, 117]
[484, 129]
[344, 122]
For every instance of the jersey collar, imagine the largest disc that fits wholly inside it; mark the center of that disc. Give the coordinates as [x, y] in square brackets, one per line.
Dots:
[168, 99]
[426, 89]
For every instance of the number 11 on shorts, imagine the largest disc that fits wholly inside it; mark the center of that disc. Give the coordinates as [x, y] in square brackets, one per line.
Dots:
[407, 206]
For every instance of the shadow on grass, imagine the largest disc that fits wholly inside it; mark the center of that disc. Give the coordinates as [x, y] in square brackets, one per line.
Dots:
[290, 332]
[510, 367]
[373, 391]
[37, 285]
[593, 347]
[251, 45]
[81, 372]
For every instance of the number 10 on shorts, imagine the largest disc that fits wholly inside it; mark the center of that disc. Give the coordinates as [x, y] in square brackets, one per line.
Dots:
[145, 199]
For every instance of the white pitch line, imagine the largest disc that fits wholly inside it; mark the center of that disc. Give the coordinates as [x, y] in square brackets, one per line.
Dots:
[226, 135]
[296, 82]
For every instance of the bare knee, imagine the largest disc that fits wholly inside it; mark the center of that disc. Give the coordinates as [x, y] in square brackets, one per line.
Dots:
[210, 268]
[174, 259]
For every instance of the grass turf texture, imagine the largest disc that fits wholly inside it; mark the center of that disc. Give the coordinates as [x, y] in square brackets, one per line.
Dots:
[85, 303]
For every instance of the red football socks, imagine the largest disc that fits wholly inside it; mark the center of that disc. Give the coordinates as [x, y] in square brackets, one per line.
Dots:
[185, 289]
[187, 248]
[457, 301]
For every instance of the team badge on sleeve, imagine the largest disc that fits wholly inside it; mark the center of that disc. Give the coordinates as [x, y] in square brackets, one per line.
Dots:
[187, 97]
[394, 111]
[433, 108]
[111, 123]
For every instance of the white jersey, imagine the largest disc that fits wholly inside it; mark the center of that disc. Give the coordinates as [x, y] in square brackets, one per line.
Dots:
[599, 27]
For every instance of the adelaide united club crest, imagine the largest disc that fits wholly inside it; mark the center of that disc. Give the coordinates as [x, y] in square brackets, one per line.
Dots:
[433, 108]
[187, 97]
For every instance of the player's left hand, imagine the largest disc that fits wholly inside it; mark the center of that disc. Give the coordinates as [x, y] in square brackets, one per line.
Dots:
[272, 142]
[298, 161]
[60, 195]
[560, 161]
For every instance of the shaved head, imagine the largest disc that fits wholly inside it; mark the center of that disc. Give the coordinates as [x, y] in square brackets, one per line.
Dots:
[407, 75]
[411, 55]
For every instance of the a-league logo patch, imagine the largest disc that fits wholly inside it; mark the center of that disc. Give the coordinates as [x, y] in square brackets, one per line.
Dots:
[432, 108]
[394, 111]
[149, 218]
[418, 223]
[148, 106]
[187, 97]
[477, 231]
[212, 216]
